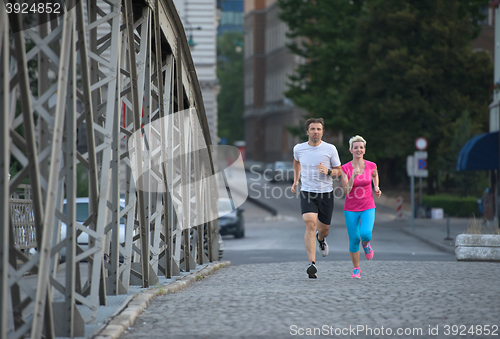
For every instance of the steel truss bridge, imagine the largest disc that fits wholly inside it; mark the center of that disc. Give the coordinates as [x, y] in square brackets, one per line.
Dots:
[106, 70]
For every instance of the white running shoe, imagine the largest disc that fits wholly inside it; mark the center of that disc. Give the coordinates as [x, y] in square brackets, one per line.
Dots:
[323, 246]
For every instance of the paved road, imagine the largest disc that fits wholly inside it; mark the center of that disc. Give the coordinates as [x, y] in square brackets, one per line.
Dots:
[409, 290]
[270, 240]
[405, 299]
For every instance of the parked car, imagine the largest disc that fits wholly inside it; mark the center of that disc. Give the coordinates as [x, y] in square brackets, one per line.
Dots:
[82, 213]
[230, 221]
[282, 171]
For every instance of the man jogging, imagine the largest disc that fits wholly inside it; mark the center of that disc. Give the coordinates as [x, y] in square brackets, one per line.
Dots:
[315, 163]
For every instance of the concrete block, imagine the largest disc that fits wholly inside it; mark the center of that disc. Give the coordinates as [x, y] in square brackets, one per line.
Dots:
[477, 253]
[473, 240]
[477, 247]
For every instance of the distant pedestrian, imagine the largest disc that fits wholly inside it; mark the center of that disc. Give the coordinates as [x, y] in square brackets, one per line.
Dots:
[359, 206]
[315, 163]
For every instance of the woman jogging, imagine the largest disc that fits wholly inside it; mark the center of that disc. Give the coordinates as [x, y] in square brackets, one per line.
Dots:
[359, 207]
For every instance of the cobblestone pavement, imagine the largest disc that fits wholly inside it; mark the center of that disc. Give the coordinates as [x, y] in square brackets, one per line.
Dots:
[405, 299]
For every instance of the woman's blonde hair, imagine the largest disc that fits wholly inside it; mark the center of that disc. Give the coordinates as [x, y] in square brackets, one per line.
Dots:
[356, 138]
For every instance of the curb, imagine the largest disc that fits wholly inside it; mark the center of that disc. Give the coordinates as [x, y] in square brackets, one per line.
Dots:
[257, 202]
[126, 318]
[436, 245]
[262, 205]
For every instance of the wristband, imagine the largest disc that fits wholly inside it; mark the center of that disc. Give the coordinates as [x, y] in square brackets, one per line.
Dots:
[377, 187]
[329, 172]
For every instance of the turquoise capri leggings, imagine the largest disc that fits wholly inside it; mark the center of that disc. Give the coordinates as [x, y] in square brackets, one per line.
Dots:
[359, 227]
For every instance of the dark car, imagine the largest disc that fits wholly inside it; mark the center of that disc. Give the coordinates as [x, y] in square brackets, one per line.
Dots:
[282, 171]
[230, 221]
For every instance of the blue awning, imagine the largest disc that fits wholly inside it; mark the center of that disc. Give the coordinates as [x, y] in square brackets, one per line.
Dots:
[479, 153]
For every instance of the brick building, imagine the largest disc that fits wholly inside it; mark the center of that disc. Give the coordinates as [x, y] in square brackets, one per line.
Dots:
[267, 113]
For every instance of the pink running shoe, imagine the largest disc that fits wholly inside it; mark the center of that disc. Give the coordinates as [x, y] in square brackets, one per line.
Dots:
[356, 273]
[368, 251]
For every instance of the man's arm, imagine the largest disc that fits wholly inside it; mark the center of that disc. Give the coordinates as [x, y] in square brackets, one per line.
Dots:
[336, 172]
[296, 175]
[335, 159]
[333, 172]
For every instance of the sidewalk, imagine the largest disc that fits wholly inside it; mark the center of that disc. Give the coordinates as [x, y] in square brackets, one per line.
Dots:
[122, 310]
[438, 233]
[113, 326]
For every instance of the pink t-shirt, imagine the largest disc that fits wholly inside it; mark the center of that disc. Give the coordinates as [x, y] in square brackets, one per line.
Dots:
[361, 196]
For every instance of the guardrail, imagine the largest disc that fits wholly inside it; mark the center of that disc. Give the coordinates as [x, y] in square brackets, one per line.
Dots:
[23, 223]
[23, 219]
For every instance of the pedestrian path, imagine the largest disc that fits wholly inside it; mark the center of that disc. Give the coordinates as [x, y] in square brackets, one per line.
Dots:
[114, 326]
[438, 233]
[121, 310]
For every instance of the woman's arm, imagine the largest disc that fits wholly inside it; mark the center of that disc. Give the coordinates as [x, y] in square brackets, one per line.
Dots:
[347, 184]
[375, 180]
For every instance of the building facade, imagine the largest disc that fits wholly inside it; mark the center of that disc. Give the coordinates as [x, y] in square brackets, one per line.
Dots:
[268, 113]
[231, 18]
[200, 19]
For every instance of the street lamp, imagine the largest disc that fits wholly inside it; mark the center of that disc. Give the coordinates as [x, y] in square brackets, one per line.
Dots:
[238, 46]
[189, 28]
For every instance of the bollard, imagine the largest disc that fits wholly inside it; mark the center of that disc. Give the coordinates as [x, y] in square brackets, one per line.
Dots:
[399, 208]
[448, 237]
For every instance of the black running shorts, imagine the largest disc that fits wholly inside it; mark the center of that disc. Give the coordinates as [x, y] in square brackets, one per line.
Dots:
[321, 203]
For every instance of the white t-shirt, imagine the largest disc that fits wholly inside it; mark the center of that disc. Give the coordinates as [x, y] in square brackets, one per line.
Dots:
[310, 157]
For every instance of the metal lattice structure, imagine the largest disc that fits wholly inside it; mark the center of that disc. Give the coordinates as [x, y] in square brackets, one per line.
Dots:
[116, 70]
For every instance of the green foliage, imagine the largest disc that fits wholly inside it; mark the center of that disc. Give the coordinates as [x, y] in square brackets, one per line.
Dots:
[322, 33]
[452, 205]
[392, 71]
[467, 182]
[230, 75]
[416, 74]
[82, 179]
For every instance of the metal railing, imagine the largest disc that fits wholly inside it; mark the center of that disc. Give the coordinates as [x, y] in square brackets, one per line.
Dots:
[116, 70]
[23, 219]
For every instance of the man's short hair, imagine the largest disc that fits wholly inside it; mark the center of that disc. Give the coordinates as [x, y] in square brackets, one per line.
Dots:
[315, 121]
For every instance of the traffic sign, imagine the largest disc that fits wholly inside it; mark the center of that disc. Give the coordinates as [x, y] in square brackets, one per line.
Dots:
[410, 168]
[421, 164]
[421, 144]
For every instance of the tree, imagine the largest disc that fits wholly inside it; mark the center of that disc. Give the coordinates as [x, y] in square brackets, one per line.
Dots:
[230, 75]
[467, 182]
[415, 74]
[323, 33]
